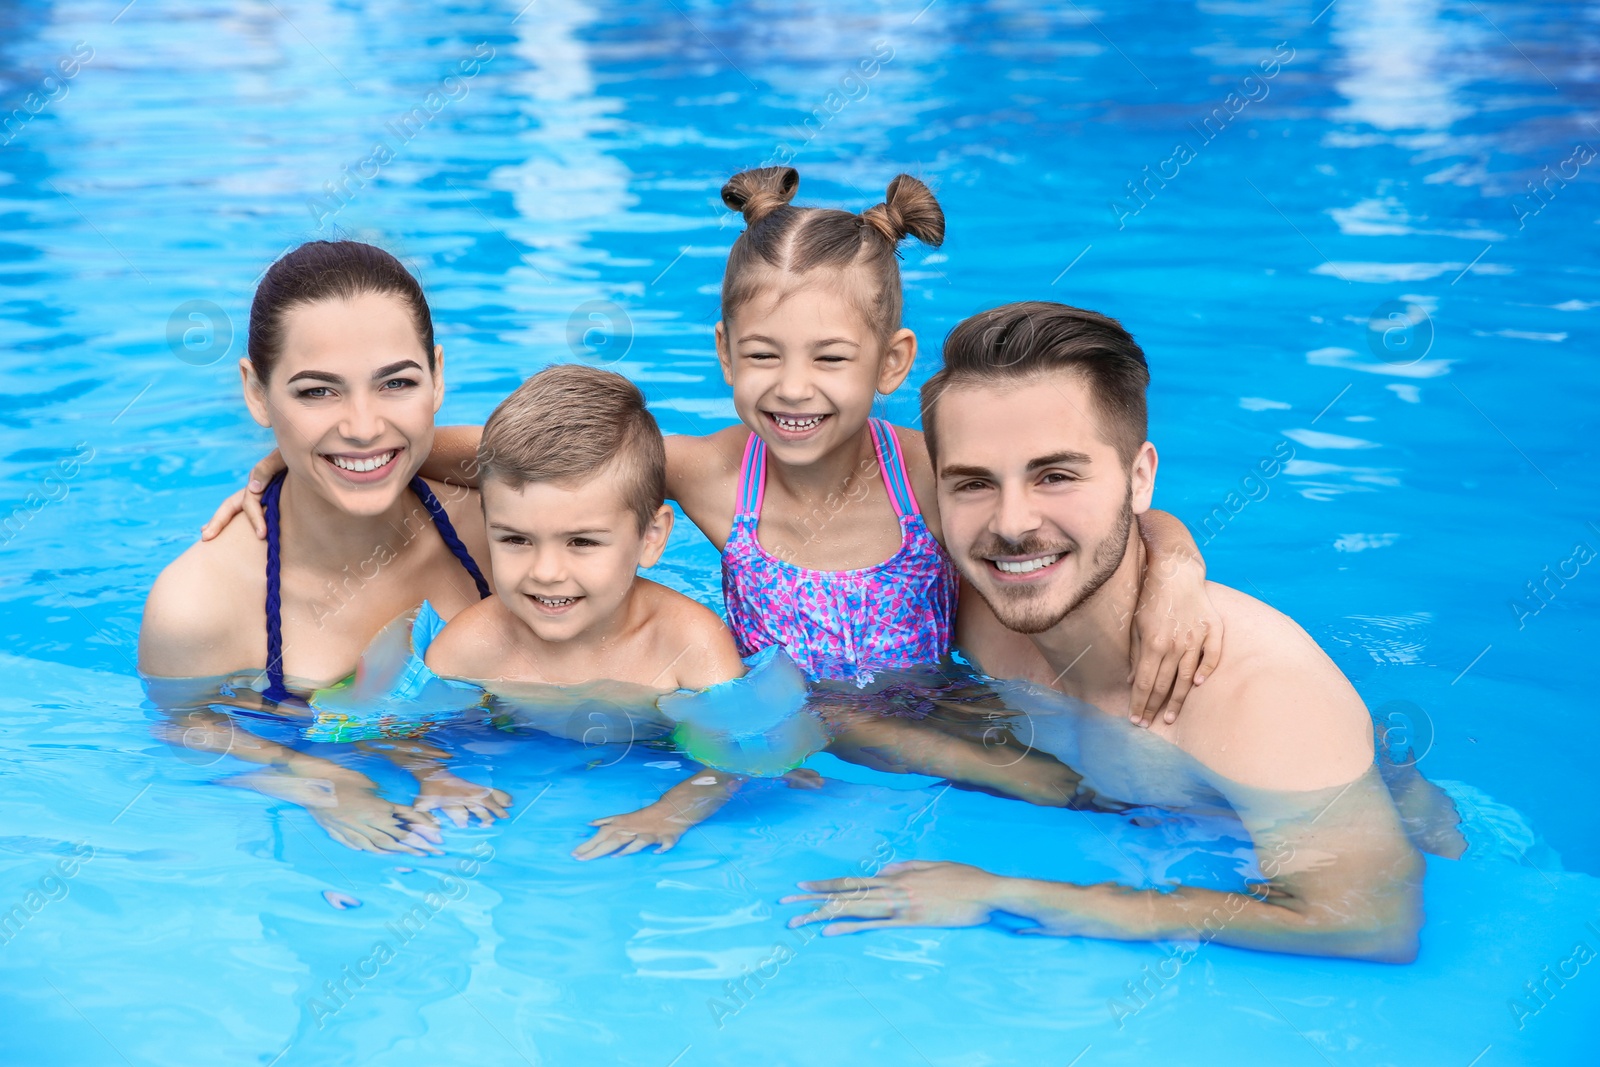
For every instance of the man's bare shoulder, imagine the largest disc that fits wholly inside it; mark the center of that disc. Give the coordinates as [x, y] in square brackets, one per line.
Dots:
[206, 613]
[688, 638]
[1277, 713]
[478, 643]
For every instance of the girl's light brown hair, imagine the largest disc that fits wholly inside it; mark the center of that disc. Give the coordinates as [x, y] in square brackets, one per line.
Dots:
[782, 238]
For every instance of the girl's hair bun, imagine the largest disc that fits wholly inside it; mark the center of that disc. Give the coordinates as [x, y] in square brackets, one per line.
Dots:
[908, 207]
[758, 193]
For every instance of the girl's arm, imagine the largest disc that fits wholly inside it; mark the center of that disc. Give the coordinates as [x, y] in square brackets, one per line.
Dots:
[454, 459]
[1177, 633]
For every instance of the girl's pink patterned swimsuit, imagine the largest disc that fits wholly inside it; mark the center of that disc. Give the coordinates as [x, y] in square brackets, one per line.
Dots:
[840, 624]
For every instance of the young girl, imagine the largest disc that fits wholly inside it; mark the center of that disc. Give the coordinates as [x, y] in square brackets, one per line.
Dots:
[826, 516]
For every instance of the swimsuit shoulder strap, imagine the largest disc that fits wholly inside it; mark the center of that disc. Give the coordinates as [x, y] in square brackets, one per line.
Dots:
[447, 532]
[276, 690]
[269, 506]
[893, 466]
[753, 476]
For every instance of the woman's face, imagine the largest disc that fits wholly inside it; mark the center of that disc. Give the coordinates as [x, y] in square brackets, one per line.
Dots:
[350, 399]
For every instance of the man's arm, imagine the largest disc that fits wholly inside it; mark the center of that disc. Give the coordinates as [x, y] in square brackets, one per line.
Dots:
[1283, 736]
[1342, 881]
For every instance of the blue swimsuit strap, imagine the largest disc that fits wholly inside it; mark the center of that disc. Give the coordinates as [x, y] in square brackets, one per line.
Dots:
[447, 533]
[269, 508]
[276, 691]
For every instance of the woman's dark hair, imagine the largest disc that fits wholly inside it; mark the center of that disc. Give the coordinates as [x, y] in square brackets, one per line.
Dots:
[329, 270]
[799, 239]
[1034, 338]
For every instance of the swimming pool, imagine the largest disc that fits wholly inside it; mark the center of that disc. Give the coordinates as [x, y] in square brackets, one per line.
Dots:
[1344, 260]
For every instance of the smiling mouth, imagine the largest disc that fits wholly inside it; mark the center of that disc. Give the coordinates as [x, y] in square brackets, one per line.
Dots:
[554, 604]
[796, 424]
[1025, 566]
[362, 464]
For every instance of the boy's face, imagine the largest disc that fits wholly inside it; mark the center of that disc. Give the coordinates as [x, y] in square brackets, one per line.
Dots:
[564, 556]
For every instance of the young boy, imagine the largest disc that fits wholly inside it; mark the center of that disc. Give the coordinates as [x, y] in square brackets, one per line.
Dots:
[573, 473]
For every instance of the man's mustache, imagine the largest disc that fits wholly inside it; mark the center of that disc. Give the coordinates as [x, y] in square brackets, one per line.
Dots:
[1033, 545]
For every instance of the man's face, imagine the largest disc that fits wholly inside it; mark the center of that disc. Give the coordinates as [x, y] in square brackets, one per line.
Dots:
[1036, 503]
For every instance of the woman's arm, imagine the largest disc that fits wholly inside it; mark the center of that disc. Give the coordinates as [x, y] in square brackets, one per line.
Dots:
[343, 801]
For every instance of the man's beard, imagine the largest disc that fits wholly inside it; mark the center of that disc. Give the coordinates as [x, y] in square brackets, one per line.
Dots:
[1018, 607]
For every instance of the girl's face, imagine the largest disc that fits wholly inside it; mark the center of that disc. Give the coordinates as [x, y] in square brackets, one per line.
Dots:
[805, 366]
[350, 400]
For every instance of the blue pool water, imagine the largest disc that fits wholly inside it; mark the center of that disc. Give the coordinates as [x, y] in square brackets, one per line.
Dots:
[557, 193]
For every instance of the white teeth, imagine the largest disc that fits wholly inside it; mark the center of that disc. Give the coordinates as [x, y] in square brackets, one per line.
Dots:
[371, 463]
[1026, 566]
[554, 601]
[798, 425]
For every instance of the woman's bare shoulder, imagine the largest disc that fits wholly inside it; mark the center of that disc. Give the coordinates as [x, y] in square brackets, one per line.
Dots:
[206, 613]
[464, 506]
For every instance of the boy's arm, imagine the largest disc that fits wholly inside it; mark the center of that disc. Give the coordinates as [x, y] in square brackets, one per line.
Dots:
[1177, 632]
[690, 802]
[454, 459]
[701, 653]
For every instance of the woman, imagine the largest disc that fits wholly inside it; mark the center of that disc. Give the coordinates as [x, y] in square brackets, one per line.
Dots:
[342, 366]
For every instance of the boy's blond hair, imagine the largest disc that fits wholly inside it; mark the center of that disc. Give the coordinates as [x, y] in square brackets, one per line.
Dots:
[569, 422]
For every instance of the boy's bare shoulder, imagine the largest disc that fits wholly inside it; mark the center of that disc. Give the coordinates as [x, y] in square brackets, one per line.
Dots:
[206, 613]
[477, 643]
[689, 638]
[1277, 713]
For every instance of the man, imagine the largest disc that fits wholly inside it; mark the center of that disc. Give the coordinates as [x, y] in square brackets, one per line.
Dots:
[1037, 426]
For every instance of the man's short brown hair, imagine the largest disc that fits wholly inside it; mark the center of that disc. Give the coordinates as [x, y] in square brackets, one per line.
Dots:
[1033, 338]
[569, 422]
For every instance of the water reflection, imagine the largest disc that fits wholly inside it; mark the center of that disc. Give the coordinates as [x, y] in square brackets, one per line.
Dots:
[1328, 872]
[1403, 64]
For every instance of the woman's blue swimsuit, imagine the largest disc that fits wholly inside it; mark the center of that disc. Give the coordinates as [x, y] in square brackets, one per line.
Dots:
[276, 691]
